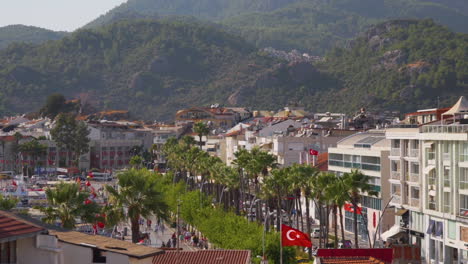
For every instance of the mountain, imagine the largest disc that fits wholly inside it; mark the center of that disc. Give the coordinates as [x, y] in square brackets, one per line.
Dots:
[151, 68]
[317, 25]
[401, 64]
[155, 68]
[28, 34]
[213, 10]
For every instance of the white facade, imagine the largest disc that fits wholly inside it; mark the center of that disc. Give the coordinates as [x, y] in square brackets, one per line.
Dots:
[367, 152]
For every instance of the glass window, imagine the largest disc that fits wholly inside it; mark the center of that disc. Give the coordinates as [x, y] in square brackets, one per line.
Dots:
[371, 160]
[396, 143]
[335, 156]
[463, 178]
[452, 229]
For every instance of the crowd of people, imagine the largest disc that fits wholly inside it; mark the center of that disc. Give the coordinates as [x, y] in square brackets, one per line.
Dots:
[184, 236]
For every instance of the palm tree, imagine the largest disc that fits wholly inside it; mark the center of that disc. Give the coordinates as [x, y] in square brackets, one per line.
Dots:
[318, 193]
[277, 185]
[356, 184]
[336, 193]
[140, 193]
[303, 178]
[67, 202]
[201, 129]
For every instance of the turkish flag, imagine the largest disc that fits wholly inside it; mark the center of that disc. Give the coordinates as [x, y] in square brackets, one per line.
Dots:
[313, 152]
[350, 208]
[294, 237]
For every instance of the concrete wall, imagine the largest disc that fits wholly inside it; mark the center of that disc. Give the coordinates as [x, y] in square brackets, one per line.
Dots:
[29, 254]
[73, 254]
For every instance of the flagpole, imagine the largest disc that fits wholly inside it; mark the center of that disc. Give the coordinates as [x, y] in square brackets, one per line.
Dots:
[281, 233]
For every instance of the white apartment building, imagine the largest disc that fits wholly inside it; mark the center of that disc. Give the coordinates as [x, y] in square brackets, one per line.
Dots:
[406, 185]
[429, 185]
[368, 152]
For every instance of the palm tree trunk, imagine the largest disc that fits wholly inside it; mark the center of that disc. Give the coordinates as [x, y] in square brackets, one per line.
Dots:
[297, 212]
[335, 215]
[302, 220]
[278, 213]
[321, 223]
[342, 224]
[356, 239]
[308, 224]
[135, 229]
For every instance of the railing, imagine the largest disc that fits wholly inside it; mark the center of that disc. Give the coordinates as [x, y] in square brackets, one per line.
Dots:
[445, 129]
[396, 198]
[414, 177]
[463, 185]
[395, 152]
[463, 212]
[431, 180]
[446, 156]
[414, 153]
[446, 208]
[447, 182]
[431, 155]
[463, 157]
[432, 205]
[414, 202]
[395, 175]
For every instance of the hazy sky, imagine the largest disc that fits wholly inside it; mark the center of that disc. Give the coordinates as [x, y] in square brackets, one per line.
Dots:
[66, 15]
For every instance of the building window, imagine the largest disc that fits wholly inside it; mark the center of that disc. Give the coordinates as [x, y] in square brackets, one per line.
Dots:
[464, 152]
[463, 178]
[447, 199]
[98, 256]
[452, 229]
[396, 143]
[463, 205]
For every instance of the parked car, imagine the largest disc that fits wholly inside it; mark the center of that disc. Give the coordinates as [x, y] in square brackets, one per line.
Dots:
[345, 244]
[315, 233]
[63, 178]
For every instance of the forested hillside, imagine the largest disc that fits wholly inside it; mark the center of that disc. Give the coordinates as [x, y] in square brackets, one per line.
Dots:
[150, 68]
[28, 34]
[402, 65]
[315, 26]
[213, 10]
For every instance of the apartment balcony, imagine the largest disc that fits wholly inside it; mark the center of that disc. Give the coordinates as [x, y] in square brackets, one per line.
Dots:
[447, 208]
[463, 157]
[446, 156]
[463, 212]
[396, 198]
[431, 158]
[414, 177]
[395, 175]
[395, 152]
[447, 182]
[414, 202]
[414, 153]
[463, 185]
[445, 129]
[432, 206]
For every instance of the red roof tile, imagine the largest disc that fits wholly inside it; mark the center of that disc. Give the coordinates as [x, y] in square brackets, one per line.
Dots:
[12, 226]
[204, 257]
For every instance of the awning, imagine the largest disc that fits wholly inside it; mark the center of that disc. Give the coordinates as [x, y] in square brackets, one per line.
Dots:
[391, 232]
[401, 212]
[428, 169]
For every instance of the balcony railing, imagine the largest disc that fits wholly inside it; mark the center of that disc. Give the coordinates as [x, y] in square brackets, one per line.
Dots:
[431, 180]
[463, 157]
[447, 208]
[446, 156]
[396, 198]
[395, 175]
[414, 152]
[432, 205]
[447, 182]
[445, 129]
[395, 152]
[463, 185]
[463, 212]
[414, 177]
[414, 202]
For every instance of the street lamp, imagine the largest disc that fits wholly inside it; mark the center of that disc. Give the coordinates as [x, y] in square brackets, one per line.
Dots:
[251, 205]
[222, 192]
[201, 190]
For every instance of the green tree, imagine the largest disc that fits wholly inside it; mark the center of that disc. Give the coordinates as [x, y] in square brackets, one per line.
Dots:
[71, 134]
[136, 162]
[66, 202]
[140, 192]
[34, 148]
[357, 184]
[277, 185]
[302, 177]
[54, 105]
[7, 203]
[202, 130]
[337, 195]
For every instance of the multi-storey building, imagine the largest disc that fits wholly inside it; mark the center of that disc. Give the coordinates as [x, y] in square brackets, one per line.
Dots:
[368, 152]
[428, 182]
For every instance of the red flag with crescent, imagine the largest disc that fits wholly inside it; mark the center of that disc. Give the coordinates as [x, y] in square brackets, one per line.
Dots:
[294, 237]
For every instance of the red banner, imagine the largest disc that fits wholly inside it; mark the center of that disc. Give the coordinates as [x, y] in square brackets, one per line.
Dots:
[350, 208]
